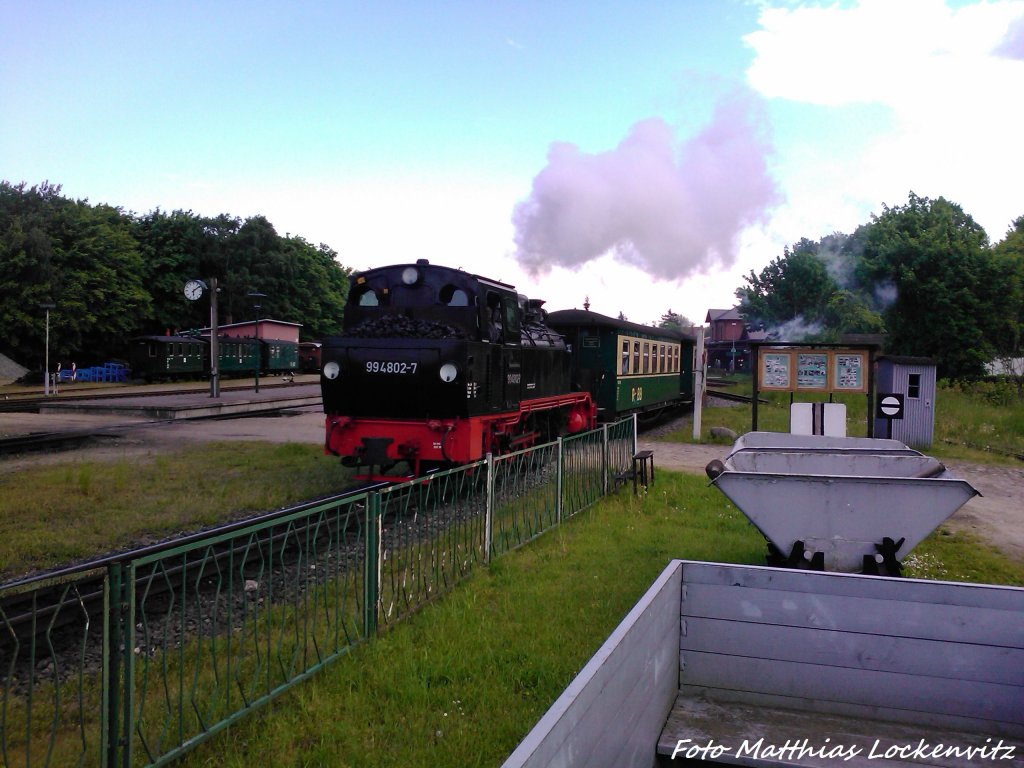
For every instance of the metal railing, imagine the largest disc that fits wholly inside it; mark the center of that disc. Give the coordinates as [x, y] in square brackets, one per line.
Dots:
[136, 659]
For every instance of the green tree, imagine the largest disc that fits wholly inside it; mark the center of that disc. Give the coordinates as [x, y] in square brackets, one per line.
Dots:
[795, 286]
[175, 247]
[674, 320]
[26, 269]
[80, 257]
[937, 259]
[1008, 257]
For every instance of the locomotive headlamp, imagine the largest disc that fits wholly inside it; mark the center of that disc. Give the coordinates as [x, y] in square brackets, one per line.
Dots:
[410, 275]
[448, 372]
[331, 370]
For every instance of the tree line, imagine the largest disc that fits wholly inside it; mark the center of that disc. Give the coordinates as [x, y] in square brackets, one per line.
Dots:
[923, 273]
[111, 275]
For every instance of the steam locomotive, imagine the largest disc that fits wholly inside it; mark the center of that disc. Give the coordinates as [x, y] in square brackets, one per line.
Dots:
[437, 366]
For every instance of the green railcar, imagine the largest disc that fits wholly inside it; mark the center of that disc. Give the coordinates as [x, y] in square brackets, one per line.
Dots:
[627, 367]
[155, 358]
[237, 355]
[280, 356]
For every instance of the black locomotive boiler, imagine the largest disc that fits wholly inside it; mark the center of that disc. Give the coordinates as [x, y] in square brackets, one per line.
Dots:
[437, 366]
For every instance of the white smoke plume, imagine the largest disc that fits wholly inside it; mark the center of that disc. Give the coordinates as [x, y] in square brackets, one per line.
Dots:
[884, 294]
[795, 330]
[672, 208]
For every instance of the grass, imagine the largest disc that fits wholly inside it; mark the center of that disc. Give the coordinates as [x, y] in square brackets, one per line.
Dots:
[461, 682]
[55, 515]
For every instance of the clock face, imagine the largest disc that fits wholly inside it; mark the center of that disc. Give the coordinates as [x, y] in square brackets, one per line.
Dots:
[194, 289]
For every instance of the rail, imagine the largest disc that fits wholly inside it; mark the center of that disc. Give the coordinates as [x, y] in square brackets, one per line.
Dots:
[136, 659]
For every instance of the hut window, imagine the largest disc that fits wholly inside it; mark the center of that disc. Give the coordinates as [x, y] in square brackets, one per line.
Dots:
[914, 385]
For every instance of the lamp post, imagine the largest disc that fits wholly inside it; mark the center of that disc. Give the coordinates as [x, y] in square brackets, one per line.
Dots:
[257, 298]
[46, 365]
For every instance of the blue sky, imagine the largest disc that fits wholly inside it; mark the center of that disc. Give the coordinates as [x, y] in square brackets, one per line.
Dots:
[644, 154]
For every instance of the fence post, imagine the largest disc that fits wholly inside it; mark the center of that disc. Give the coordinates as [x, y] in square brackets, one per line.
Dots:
[117, 673]
[371, 565]
[558, 481]
[489, 511]
[634, 436]
[605, 460]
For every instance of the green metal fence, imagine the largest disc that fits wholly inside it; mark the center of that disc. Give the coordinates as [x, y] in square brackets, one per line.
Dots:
[133, 661]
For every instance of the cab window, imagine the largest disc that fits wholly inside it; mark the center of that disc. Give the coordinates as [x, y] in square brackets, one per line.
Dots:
[511, 307]
[366, 297]
[453, 297]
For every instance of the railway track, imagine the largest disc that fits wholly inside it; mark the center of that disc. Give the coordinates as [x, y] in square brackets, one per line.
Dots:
[732, 396]
[69, 605]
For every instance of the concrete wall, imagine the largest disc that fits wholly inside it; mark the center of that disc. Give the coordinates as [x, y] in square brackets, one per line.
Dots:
[611, 715]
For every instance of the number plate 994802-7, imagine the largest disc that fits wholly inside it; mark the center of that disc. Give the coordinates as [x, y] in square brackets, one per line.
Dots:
[390, 366]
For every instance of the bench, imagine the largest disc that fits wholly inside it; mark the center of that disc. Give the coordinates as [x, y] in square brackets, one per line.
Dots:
[768, 666]
[792, 668]
[641, 472]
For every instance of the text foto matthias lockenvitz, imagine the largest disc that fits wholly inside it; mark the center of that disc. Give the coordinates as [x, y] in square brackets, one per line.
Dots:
[803, 749]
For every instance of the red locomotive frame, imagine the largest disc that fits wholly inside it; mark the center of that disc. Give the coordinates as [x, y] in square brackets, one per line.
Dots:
[458, 440]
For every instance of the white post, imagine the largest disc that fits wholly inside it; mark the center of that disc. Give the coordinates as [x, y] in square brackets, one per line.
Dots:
[489, 513]
[558, 483]
[46, 363]
[605, 460]
[700, 371]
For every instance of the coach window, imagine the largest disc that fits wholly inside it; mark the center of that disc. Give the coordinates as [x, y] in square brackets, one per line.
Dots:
[661, 366]
[625, 356]
[647, 357]
[636, 357]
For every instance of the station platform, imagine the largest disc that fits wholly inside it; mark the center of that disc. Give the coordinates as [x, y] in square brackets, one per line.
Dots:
[195, 404]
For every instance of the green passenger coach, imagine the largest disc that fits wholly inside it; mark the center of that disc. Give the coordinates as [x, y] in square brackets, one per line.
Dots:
[627, 367]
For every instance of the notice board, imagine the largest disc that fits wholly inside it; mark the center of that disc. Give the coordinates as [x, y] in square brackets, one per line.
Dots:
[813, 370]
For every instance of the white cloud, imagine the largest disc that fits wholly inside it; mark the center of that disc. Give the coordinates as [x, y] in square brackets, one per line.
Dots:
[943, 75]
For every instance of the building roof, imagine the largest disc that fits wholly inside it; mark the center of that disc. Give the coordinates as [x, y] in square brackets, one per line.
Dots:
[723, 314]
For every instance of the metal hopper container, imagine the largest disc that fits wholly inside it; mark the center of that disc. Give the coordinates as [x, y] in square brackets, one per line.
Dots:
[838, 503]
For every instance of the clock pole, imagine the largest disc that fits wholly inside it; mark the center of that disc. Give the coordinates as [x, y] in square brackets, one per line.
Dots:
[214, 351]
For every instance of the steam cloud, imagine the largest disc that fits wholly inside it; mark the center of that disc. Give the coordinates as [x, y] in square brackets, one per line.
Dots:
[667, 207]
